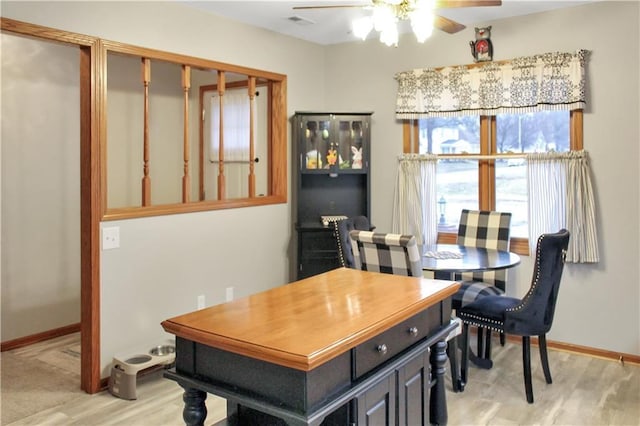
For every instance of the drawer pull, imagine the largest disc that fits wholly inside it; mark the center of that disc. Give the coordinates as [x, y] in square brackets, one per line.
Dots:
[413, 331]
[382, 349]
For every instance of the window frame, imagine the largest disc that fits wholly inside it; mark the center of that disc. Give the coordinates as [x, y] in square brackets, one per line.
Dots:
[486, 167]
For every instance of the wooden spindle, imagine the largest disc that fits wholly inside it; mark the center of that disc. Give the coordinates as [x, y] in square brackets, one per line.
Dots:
[146, 179]
[186, 178]
[221, 177]
[252, 98]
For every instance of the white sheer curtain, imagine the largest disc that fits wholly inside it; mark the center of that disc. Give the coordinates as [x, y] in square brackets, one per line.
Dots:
[414, 211]
[561, 196]
[236, 126]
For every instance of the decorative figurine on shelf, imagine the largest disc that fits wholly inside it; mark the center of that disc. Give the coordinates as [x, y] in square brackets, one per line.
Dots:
[482, 48]
[356, 163]
[313, 160]
[332, 156]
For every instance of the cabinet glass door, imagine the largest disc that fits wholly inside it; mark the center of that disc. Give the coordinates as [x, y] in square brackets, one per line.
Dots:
[316, 143]
[350, 137]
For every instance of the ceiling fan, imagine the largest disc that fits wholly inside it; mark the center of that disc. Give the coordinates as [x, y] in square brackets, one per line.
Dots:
[404, 9]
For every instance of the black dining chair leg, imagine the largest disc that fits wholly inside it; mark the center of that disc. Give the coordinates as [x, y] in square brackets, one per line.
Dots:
[480, 343]
[464, 362]
[542, 343]
[503, 339]
[526, 363]
[452, 353]
[487, 344]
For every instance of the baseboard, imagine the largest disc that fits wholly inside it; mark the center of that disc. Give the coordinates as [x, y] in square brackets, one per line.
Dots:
[583, 350]
[39, 337]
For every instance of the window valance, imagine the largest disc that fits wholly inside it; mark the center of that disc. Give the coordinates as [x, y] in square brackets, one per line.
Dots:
[549, 81]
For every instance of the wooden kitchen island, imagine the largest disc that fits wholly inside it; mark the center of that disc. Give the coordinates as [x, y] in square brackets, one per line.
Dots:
[340, 348]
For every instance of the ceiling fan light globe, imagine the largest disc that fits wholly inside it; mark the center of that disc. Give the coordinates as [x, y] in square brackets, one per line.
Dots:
[362, 27]
[389, 36]
[383, 18]
[423, 34]
[422, 24]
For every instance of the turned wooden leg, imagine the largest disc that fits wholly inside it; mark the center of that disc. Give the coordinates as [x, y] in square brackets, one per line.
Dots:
[195, 410]
[437, 400]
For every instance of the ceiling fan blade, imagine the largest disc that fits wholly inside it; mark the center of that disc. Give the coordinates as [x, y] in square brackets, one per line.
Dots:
[447, 25]
[346, 6]
[450, 4]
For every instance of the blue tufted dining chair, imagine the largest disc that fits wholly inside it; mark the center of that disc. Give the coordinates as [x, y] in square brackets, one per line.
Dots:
[529, 316]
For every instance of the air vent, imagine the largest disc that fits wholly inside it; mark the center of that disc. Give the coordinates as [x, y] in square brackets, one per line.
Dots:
[300, 20]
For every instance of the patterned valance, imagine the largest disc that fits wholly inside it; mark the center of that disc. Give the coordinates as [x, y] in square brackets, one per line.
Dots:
[550, 81]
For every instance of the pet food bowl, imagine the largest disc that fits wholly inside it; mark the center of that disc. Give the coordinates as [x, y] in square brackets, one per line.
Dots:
[138, 359]
[162, 350]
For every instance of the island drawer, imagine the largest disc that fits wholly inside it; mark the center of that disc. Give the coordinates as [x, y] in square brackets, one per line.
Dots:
[376, 351]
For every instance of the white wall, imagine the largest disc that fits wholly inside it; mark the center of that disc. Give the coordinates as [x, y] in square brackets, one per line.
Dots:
[40, 186]
[165, 262]
[599, 305]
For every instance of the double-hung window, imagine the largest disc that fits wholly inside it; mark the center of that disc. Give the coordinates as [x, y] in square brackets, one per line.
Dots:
[482, 162]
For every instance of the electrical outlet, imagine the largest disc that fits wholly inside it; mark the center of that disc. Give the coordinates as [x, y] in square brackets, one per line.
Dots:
[229, 294]
[201, 301]
[110, 238]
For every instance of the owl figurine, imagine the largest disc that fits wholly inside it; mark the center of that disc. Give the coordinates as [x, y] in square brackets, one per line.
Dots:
[482, 48]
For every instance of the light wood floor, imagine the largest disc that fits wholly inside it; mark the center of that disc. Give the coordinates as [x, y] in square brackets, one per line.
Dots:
[586, 391]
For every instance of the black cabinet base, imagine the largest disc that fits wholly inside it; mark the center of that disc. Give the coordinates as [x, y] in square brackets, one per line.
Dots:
[336, 409]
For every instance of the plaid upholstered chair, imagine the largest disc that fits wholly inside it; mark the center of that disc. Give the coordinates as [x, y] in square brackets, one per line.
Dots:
[485, 229]
[343, 240]
[387, 253]
[529, 316]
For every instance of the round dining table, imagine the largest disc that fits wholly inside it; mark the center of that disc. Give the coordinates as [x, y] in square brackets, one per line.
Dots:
[453, 258]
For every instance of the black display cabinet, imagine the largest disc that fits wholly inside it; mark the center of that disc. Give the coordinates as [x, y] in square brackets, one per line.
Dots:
[332, 154]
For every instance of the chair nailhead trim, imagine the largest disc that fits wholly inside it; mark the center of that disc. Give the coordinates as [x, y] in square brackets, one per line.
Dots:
[535, 281]
[337, 235]
[471, 319]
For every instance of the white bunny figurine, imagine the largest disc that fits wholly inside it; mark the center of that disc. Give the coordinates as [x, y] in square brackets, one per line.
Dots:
[357, 158]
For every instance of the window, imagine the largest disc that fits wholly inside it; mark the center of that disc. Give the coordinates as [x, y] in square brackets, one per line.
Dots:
[517, 106]
[483, 162]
